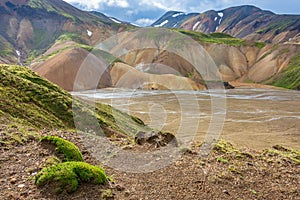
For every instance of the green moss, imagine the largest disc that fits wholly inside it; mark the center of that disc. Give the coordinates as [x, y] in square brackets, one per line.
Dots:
[68, 149]
[283, 153]
[230, 151]
[290, 77]
[66, 176]
[277, 27]
[219, 38]
[38, 103]
[222, 160]
[67, 36]
[260, 45]
[44, 5]
[13, 132]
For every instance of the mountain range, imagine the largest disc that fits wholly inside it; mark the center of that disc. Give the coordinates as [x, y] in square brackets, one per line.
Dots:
[247, 22]
[247, 44]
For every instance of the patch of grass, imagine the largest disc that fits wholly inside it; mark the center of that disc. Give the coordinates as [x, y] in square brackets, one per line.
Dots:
[68, 149]
[66, 176]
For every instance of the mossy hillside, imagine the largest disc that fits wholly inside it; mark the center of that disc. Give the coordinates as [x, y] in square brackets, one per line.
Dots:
[278, 26]
[69, 151]
[6, 49]
[45, 5]
[290, 77]
[66, 176]
[38, 103]
[26, 96]
[219, 38]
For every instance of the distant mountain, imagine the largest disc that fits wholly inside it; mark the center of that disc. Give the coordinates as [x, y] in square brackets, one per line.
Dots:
[30, 27]
[247, 22]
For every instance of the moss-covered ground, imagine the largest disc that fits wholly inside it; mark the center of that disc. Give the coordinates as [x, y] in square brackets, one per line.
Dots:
[290, 77]
[219, 38]
[33, 101]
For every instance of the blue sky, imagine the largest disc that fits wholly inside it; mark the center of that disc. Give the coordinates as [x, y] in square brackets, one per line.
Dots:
[145, 12]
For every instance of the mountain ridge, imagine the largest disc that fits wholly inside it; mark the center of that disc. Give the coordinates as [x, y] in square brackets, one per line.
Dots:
[247, 22]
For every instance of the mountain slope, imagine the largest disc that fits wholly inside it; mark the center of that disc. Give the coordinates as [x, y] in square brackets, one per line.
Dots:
[29, 27]
[248, 22]
[30, 100]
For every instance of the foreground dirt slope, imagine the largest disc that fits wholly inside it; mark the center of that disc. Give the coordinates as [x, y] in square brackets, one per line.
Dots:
[228, 173]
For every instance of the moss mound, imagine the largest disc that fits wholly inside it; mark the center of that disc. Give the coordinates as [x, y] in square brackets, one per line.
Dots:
[66, 176]
[69, 150]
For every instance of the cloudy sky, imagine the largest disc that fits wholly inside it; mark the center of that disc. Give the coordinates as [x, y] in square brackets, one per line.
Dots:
[145, 12]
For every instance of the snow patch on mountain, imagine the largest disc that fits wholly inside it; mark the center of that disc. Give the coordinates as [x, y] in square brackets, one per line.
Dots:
[162, 24]
[115, 20]
[177, 14]
[195, 25]
[18, 53]
[90, 33]
[221, 15]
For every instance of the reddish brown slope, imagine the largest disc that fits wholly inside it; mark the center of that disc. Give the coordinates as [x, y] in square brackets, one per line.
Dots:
[62, 70]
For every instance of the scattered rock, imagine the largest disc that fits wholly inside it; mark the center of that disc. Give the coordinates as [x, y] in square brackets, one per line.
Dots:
[226, 192]
[120, 187]
[13, 180]
[21, 185]
[157, 138]
[228, 86]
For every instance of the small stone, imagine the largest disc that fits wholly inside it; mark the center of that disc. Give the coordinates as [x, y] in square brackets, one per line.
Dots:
[127, 193]
[226, 192]
[21, 186]
[13, 180]
[119, 188]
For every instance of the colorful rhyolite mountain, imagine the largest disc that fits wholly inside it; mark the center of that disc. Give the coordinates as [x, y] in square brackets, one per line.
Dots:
[55, 38]
[247, 22]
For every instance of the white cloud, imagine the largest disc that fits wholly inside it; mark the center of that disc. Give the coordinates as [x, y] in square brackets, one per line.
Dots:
[118, 3]
[97, 4]
[144, 21]
[165, 5]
